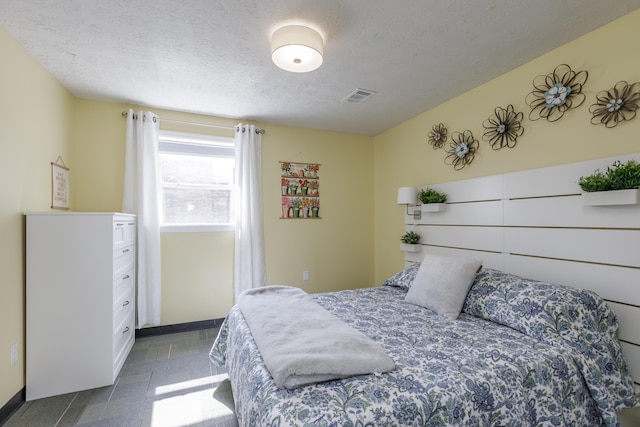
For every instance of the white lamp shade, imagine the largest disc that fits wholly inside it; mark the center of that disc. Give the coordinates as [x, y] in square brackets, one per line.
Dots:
[407, 195]
[297, 48]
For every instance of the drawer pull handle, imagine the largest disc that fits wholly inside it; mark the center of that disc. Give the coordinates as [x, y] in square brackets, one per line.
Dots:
[126, 303]
[132, 223]
[125, 277]
[120, 224]
[125, 330]
[124, 251]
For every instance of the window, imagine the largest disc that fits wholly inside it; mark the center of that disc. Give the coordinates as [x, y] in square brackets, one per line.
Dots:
[196, 182]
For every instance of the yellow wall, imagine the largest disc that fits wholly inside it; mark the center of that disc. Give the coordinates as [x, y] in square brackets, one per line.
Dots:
[337, 250]
[36, 116]
[40, 120]
[197, 268]
[404, 158]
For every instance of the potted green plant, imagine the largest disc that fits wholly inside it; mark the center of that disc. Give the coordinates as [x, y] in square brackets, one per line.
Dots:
[296, 203]
[618, 185]
[432, 200]
[315, 207]
[409, 241]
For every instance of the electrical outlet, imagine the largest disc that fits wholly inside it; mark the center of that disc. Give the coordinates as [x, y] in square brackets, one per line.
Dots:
[305, 275]
[14, 354]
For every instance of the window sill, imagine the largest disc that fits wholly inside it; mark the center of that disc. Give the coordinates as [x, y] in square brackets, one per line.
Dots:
[196, 228]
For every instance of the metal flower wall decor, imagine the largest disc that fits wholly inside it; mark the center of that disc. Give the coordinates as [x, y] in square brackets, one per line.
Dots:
[437, 136]
[503, 128]
[461, 150]
[616, 104]
[556, 93]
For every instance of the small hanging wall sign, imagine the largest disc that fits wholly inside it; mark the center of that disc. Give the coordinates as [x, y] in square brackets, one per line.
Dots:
[59, 184]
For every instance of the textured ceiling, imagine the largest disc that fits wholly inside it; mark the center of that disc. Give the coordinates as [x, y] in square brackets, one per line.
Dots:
[213, 57]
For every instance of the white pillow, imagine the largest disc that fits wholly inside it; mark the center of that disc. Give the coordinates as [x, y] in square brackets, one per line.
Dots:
[442, 284]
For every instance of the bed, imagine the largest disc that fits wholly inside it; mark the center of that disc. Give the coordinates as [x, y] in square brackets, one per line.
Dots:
[520, 352]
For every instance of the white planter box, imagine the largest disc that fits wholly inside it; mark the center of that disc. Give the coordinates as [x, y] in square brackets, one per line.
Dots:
[434, 207]
[410, 247]
[611, 198]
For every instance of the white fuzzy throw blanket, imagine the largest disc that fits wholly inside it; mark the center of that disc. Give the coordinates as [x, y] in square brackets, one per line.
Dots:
[302, 343]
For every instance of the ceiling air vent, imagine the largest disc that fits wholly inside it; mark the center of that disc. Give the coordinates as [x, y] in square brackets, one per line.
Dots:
[358, 96]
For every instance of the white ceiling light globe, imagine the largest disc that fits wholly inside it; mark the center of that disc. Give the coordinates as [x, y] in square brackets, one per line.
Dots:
[297, 48]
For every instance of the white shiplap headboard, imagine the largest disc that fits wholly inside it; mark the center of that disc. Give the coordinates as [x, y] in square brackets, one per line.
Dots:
[533, 224]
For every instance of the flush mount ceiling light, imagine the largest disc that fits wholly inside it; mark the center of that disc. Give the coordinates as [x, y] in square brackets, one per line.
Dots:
[297, 48]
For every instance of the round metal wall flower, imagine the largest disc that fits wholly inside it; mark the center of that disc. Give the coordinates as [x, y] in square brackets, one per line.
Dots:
[437, 136]
[556, 93]
[461, 150]
[503, 128]
[616, 105]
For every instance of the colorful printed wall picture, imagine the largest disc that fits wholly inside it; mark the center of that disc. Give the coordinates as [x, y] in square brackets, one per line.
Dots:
[300, 190]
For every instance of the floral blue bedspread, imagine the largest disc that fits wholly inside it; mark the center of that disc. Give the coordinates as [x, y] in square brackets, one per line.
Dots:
[478, 370]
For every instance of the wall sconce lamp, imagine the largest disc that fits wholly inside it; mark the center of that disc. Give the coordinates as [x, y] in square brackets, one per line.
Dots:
[408, 196]
[297, 48]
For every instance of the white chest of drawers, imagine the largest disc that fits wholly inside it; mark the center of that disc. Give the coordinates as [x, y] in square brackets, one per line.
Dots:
[80, 300]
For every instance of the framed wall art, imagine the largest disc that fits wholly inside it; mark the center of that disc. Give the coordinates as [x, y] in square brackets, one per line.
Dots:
[300, 190]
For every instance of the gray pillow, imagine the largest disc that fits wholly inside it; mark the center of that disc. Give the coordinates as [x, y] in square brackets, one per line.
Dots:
[404, 278]
[442, 283]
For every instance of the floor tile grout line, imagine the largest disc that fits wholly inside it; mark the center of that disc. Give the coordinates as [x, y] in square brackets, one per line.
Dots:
[104, 408]
[114, 388]
[75, 396]
[150, 382]
[174, 369]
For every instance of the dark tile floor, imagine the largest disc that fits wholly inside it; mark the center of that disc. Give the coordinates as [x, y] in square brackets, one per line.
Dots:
[167, 380]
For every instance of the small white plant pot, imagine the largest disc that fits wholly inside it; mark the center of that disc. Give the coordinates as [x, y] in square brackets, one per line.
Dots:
[410, 247]
[434, 207]
[611, 198]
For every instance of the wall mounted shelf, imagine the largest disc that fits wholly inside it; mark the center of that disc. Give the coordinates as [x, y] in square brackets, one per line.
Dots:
[410, 247]
[433, 207]
[611, 198]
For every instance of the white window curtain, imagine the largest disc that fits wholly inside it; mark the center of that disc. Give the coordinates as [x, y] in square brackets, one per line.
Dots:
[249, 262]
[140, 197]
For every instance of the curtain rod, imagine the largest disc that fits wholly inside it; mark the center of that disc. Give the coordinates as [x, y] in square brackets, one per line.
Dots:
[258, 130]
